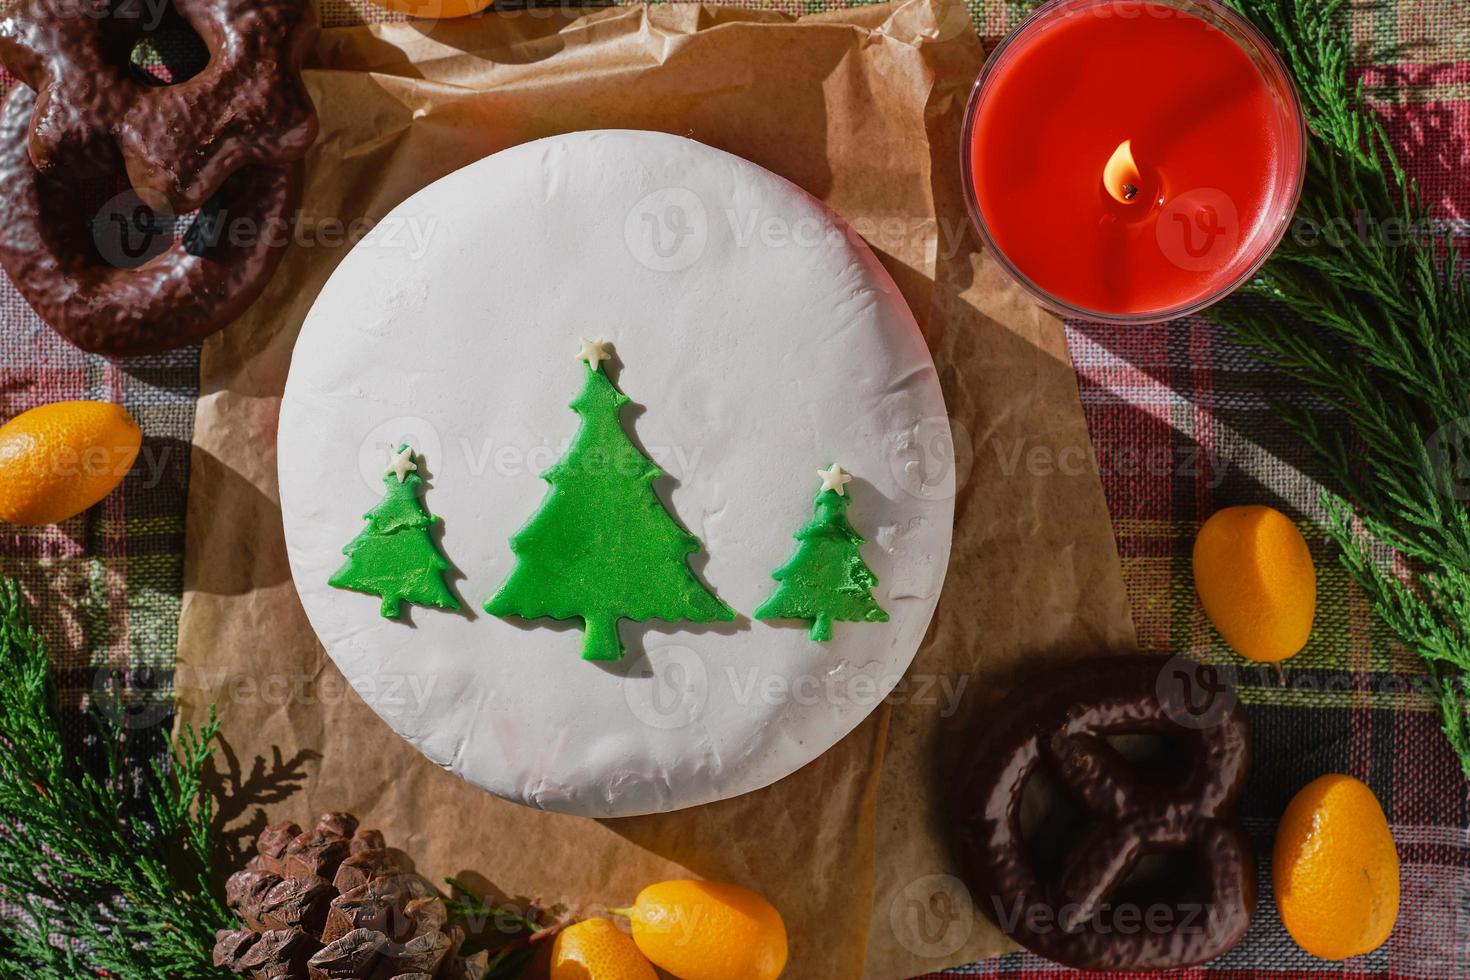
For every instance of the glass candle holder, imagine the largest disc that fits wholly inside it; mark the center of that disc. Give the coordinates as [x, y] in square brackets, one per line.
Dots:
[1133, 161]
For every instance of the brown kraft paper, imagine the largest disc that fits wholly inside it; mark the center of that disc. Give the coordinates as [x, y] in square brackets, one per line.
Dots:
[861, 108]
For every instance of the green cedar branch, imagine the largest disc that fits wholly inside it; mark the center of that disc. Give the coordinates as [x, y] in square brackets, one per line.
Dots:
[1388, 346]
[100, 888]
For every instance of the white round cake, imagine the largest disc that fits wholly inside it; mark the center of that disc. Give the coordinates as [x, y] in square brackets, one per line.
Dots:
[758, 340]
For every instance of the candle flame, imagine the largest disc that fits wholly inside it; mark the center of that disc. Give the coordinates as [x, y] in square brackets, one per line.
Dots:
[1121, 177]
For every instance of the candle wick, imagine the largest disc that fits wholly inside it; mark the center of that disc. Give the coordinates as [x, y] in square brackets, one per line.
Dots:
[1129, 192]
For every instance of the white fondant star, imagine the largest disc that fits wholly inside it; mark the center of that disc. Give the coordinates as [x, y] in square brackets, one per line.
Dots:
[594, 352]
[401, 462]
[833, 478]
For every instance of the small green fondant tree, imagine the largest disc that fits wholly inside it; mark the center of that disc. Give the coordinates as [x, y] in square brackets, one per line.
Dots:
[394, 556]
[602, 547]
[826, 579]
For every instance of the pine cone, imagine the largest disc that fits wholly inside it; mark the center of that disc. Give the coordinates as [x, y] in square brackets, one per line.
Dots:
[330, 904]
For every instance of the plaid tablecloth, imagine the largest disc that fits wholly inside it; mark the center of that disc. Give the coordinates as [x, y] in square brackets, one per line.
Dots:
[1182, 423]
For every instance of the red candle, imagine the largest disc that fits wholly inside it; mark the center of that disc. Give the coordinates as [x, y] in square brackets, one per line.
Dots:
[1133, 161]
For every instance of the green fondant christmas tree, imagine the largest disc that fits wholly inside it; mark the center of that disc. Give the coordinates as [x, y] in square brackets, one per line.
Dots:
[602, 547]
[826, 579]
[394, 556]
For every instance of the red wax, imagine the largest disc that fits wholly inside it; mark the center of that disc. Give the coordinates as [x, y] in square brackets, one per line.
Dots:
[1213, 141]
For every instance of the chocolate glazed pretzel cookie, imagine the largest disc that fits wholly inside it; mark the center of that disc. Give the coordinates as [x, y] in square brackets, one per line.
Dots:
[228, 141]
[1075, 898]
[178, 143]
[178, 296]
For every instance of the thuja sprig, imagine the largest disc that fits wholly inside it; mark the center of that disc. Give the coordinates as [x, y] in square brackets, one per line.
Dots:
[1379, 330]
[108, 872]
